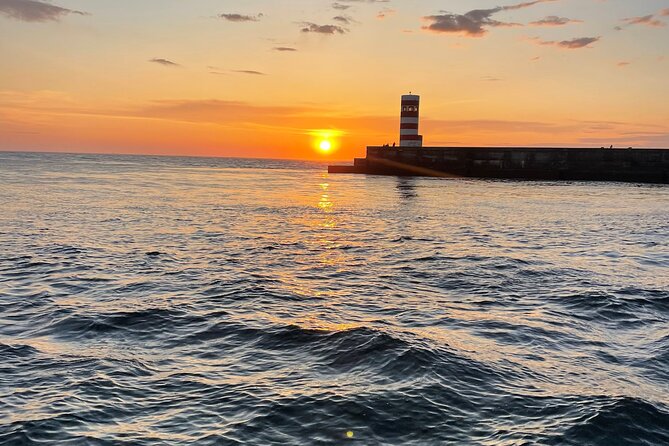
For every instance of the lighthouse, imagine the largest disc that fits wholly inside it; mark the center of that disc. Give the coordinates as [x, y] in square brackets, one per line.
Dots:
[409, 136]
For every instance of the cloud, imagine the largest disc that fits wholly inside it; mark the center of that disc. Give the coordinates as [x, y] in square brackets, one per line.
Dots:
[340, 7]
[537, 133]
[219, 72]
[164, 62]
[184, 110]
[631, 139]
[553, 20]
[493, 126]
[623, 64]
[646, 20]
[34, 11]
[239, 18]
[344, 19]
[343, 7]
[322, 29]
[284, 48]
[252, 72]
[572, 44]
[46, 112]
[221, 111]
[385, 12]
[475, 22]
[580, 42]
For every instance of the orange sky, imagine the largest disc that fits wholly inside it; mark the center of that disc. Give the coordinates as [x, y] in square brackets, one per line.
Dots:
[261, 78]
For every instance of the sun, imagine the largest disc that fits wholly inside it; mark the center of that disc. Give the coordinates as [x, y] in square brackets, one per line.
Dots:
[325, 141]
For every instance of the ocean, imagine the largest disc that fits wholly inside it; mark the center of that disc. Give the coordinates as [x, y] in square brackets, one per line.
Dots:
[194, 301]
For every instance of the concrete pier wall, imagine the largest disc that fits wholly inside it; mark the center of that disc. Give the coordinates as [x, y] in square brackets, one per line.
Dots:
[632, 165]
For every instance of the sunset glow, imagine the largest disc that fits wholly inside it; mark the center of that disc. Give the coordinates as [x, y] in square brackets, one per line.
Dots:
[588, 73]
[346, 222]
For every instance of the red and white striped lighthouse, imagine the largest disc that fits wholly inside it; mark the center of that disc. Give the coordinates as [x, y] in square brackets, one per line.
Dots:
[409, 136]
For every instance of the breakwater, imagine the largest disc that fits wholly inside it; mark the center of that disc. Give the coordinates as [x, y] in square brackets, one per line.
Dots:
[573, 164]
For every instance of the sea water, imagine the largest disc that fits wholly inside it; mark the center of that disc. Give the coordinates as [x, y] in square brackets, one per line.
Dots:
[193, 301]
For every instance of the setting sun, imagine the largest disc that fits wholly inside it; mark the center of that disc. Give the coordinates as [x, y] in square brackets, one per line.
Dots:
[326, 141]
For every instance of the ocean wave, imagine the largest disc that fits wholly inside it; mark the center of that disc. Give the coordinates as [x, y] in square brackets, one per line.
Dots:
[628, 306]
[619, 421]
[142, 323]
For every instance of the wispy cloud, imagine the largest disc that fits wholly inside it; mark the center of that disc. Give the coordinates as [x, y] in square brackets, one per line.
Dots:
[284, 49]
[164, 62]
[385, 13]
[34, 11]
[344, 19]
[222, 72]
[217, 111]
[475, 22]
[248, 119]
[648, 20]
[651, 20]
[553, 20]
[572, 44]
[309, 27]
[340, 7]
[251, 72]
[239, 18]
